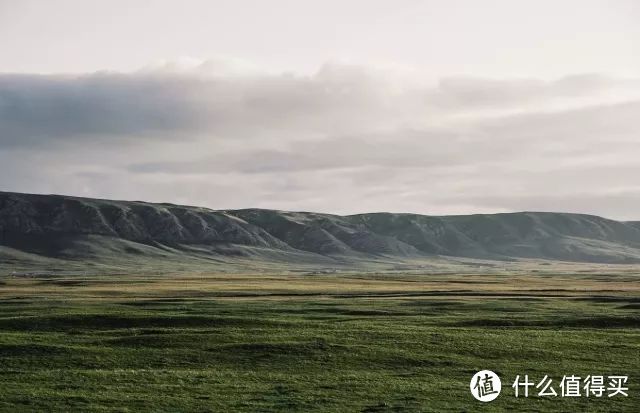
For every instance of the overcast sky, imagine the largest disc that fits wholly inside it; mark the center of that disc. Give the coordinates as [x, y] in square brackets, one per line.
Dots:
[434, 107]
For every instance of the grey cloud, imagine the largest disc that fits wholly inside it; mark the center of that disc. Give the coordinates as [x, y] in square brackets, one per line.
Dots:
[56, 109]
[603, 122]
[111, 106]
[399, 149]
[528, 140]
[160, 105]
[479, 92]
[344, 140]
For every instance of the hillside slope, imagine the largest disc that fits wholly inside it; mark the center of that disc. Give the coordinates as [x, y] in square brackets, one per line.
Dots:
[71, 228]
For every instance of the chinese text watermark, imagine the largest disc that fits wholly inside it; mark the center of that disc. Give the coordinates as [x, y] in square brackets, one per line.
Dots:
[486, 386]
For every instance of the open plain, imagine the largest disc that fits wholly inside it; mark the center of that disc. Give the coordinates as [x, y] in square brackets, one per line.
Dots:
[313, 342]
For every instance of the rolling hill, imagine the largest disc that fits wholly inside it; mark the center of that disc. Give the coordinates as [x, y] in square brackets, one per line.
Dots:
[53, 229]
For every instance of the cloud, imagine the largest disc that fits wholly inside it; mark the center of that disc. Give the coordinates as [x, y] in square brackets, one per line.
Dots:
[595, 134]
[208, 99]
[345, 139]
[477, 92]
[45, 110]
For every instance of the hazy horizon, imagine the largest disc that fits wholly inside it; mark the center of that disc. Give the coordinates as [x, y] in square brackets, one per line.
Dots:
[429, 107]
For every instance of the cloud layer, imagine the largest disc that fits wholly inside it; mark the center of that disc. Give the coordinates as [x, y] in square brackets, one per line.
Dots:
[346, 139]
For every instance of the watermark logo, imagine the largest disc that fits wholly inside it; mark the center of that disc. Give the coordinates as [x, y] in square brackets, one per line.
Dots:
[573, 386]
[485, 385]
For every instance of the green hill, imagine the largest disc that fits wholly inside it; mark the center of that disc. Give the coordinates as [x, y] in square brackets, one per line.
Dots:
[62, 229]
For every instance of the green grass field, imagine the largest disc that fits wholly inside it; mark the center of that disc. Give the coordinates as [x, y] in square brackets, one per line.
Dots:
[303, 343]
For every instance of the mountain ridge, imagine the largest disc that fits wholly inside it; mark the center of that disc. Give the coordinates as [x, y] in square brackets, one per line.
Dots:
[70, 227]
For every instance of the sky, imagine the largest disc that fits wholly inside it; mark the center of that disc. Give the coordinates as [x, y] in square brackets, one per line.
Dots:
[433, 107]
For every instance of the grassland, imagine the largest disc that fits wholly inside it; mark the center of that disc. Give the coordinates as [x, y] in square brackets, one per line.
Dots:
[348, 342]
